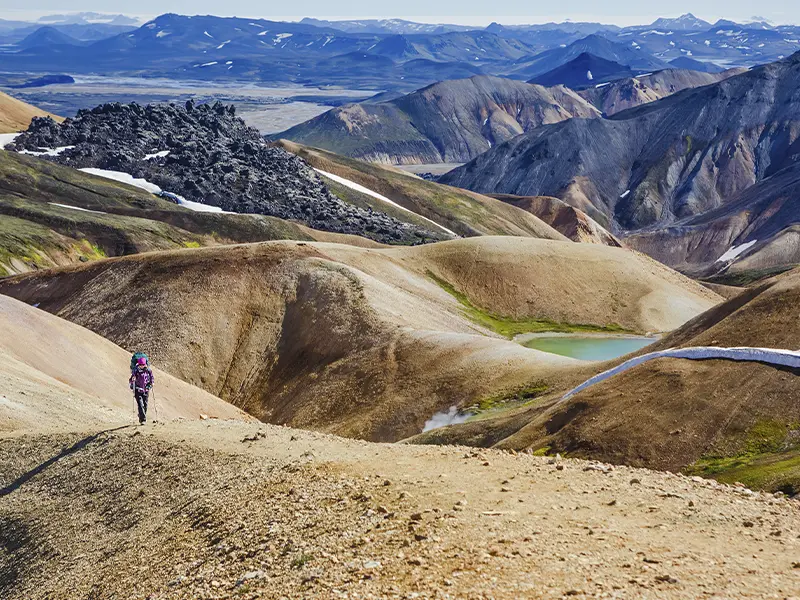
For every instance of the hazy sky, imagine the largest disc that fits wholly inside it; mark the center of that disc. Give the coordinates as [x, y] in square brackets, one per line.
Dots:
[473, 12]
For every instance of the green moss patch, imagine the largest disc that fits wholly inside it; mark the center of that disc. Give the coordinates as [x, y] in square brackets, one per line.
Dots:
[510, 326]
[507, 398]
[769, 459]
[749, 277]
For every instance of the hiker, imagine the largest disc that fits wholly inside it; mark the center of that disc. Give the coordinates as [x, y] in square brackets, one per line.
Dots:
[141, 382]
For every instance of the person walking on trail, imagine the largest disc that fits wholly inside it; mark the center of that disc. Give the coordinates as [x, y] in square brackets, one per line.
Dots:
[141, 382]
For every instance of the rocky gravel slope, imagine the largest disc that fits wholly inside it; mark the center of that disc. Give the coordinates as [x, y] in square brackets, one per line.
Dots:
[211, 509]
[207, 154]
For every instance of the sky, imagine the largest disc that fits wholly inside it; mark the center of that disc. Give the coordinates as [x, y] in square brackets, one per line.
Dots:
[469, 12]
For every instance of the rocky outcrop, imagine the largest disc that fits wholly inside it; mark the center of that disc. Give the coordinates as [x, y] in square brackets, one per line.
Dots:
[208, 155]
[452, 121]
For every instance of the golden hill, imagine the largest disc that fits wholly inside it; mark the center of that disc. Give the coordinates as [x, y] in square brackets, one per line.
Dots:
[58, 375]
[734, 420]
[363, 342]
[16, 115]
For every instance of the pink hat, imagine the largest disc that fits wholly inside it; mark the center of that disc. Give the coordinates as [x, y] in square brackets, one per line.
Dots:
[142, 361]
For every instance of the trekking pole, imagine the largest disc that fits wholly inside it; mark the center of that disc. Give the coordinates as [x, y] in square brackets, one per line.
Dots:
[155, 405]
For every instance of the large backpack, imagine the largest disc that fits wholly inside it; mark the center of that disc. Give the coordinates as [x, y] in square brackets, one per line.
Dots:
[135, 358]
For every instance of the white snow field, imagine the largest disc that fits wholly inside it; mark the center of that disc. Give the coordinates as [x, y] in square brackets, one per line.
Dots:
[736, 251]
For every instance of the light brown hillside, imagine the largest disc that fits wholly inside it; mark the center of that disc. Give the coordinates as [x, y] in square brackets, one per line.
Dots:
[58, 375]
[16, 115]
[734, 420]
[363, 342]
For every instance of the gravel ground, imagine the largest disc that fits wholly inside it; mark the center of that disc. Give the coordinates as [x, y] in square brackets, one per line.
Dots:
[214, 509]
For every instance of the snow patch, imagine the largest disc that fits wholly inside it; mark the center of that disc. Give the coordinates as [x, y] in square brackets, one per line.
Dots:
[142, 184]
[145, 185]
[99, 212]
[360, 188]
[160, 154]
[162, 34]
[599, 85]
[445, 418]
[280, 37]
[589, 75]
[200, 207]
[736, 251]
[223, 44]
[51, 152]
[625, 194]
[209, 35]
[7, 138]
[208, 64]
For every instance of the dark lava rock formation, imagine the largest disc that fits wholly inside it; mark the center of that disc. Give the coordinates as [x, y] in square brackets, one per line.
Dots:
[207, 154]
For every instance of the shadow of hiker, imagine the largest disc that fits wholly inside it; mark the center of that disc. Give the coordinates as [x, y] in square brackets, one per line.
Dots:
[76, 447]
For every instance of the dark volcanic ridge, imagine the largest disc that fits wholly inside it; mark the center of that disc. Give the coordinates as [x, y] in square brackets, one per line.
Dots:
[206, 154]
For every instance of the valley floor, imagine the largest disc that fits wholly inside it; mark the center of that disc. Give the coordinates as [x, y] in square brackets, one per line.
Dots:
[220, 509]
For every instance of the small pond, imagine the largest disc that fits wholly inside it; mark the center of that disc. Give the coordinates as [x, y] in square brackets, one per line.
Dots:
[588, 347]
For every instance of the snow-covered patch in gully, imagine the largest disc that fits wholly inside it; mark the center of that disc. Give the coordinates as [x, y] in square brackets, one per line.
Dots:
[280, 37]
[445, 418]
[735, 251]
[142, 184]
[200, 207]
[99, 212]
[599, 85]
[589, 75]
[360, 188]
[625, 194]
[160, 154]
[223, 44]
[50, 152]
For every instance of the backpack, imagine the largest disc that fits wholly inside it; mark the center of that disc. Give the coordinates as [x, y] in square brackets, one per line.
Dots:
[135, 358]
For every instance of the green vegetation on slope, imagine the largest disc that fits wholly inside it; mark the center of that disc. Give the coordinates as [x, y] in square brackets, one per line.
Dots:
[462, 211]
[749, 277]
[365, 201]
[505, 399]
[117, 220]
[768, 458]
[510, 326]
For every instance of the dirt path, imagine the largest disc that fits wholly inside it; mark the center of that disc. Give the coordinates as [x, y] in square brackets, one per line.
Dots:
[215, 509]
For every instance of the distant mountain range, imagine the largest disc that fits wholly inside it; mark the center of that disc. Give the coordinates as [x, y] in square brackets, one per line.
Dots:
[451, 121]
[457, 120]
[690, 161]
[380, 54]
[584, 71]
[622, 94]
